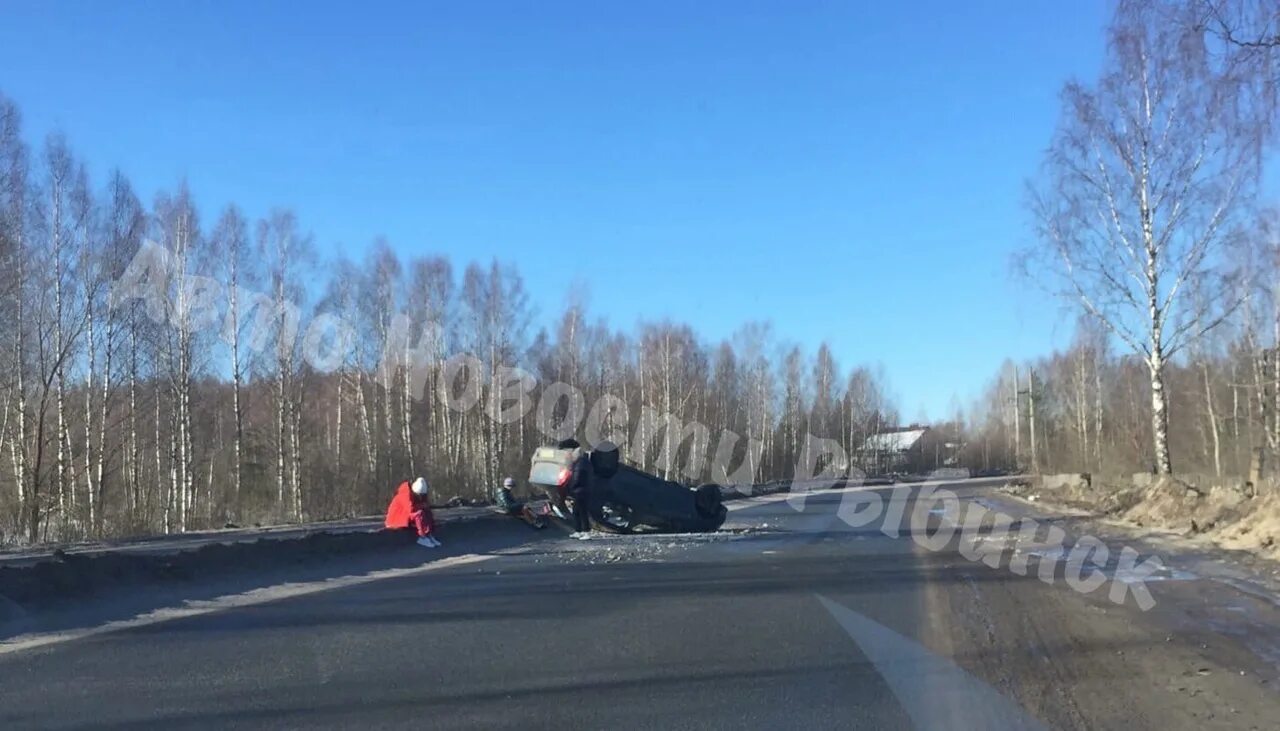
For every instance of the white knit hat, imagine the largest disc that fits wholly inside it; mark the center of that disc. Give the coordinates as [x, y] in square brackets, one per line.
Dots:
[420, 486]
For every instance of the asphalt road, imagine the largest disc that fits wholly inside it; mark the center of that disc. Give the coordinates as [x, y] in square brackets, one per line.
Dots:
[787, 619]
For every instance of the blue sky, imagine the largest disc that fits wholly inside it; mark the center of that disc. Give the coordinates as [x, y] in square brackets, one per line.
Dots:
[850, 171]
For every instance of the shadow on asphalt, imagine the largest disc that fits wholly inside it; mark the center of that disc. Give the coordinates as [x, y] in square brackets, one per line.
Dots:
[583, 591]
[114, 594]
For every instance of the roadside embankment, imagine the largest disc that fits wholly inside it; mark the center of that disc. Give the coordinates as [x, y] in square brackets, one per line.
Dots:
[1231, 514]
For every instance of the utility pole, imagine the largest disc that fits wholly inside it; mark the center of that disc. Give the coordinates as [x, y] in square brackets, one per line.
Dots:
[1017, 421]
[1031, 411]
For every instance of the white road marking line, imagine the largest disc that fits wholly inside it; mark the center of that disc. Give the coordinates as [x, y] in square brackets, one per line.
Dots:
[262, 595]
[935, 692]
[751, 502]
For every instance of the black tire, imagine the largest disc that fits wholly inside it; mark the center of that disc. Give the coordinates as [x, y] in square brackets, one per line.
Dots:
[605, 459]
[614, 518]
[714, 523]
[707, 500]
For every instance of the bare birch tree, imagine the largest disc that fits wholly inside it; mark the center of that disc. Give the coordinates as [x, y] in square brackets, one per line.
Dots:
[286, 251]
[230, 241]
[177, 228]
[13, 223]
[1145, 178]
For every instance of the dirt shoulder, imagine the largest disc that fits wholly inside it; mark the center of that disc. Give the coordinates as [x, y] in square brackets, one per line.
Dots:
[1226, 597]
[1220, 533]
[1230, 516]
[1079, 663]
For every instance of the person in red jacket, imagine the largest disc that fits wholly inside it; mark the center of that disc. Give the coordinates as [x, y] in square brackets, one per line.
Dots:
[411, 508]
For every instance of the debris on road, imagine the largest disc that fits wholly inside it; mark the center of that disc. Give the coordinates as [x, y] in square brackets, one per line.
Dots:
[597, 548]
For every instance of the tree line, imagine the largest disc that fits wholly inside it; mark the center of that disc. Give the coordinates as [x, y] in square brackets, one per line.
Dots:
[202, 403]
[1149, 219]
[196, 404]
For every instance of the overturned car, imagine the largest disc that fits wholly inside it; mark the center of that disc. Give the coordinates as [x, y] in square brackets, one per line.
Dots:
[624, 498]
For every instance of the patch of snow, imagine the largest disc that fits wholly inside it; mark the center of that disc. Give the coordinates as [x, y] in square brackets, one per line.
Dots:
[1163, 574]
[1052, 553]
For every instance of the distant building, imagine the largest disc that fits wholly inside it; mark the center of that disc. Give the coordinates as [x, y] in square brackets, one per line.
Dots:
[910, 449]
[892, 450]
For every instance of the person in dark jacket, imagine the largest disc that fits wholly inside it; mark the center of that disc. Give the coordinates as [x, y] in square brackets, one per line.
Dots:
[579, 487]
[506, 499]
[508, 503]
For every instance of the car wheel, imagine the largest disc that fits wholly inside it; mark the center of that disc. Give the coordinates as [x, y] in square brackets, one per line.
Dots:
[707, 500]
[605, 459]
[615, 518]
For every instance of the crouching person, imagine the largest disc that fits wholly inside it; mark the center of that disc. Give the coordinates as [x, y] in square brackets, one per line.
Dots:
[411, 508]
[506, 499]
